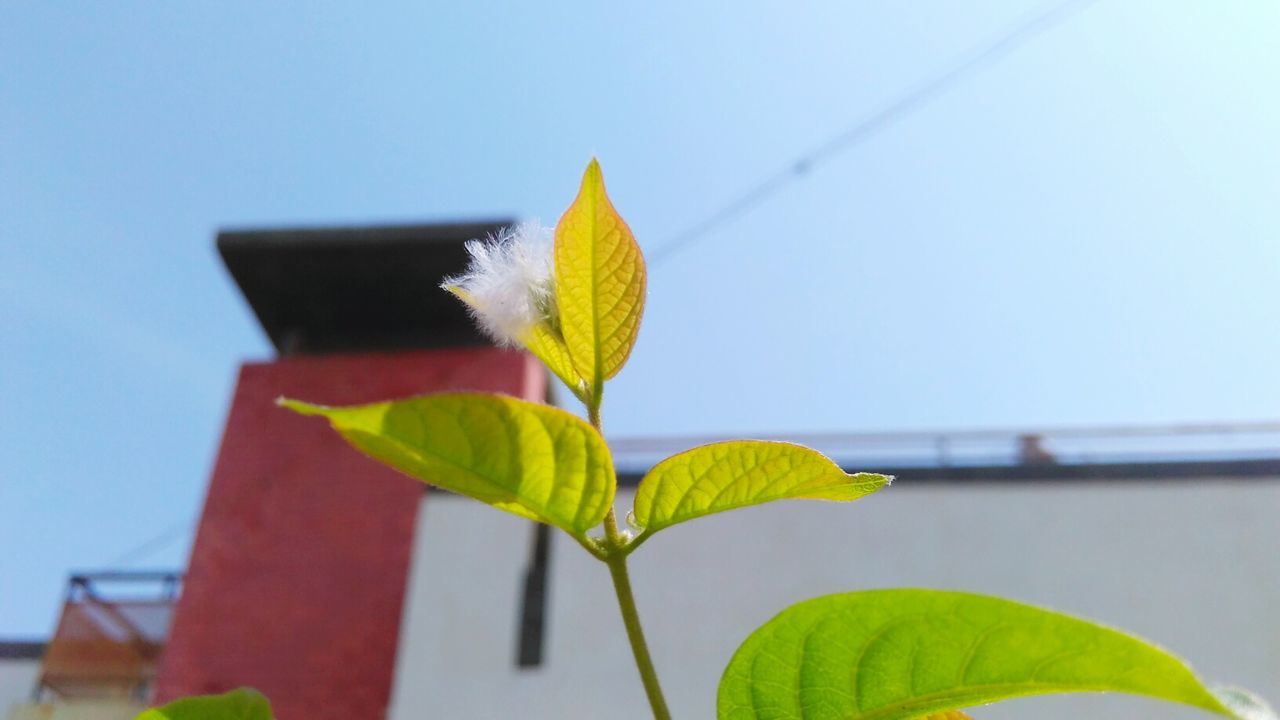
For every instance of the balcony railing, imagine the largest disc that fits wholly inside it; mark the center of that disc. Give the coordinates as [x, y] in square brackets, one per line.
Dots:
[109, 636]
[1204, 443]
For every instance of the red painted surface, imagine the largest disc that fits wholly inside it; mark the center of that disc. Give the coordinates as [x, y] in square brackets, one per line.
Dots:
[299, 568]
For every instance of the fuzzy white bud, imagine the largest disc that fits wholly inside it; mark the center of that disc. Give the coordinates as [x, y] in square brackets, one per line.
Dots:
[510, 285]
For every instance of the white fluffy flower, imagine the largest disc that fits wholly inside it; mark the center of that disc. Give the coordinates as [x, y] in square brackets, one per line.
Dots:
[510, 285]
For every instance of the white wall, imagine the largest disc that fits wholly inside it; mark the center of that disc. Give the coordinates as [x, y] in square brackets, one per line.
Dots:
[17, 680]
[77, 710]
[1194, 566]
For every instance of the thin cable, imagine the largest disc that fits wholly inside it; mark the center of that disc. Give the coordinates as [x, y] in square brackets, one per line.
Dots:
[149, 546]
[979, 58]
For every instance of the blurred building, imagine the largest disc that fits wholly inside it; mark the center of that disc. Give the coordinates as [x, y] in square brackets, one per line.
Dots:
[344, 590]
[103, 656]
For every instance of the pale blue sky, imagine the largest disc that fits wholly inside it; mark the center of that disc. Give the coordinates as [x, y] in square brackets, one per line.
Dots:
[1084, 233]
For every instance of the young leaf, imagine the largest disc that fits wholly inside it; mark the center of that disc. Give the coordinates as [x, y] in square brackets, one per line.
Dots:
[242, 704]
[727, 475]
[600, 282]
[894, 654]
[548, 346]
[529, 459]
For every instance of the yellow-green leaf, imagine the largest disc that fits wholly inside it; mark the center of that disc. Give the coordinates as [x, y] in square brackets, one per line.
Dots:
[727, 475]
[242, 704]
[600, 282]
[543, 341]
[548, 346]
[898, 654]
[533, 460]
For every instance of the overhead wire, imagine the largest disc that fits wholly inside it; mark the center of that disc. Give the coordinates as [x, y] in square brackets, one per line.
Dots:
[153, 544]
[979, 58]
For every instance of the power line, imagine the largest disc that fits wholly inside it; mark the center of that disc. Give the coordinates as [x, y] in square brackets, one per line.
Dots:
[148, 547]
[979, 58]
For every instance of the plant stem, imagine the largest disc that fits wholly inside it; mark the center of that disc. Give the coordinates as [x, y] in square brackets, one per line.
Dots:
[593, 416]
[614, 554]
[635, 634]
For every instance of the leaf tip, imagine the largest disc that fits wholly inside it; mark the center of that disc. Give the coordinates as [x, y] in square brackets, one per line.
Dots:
[873, 481]
[1243, 704]
[456, 290]
[300, 407]
[593, 175]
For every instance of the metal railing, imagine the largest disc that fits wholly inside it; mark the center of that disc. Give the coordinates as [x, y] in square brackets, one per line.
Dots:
[998, 448]
[109, 636]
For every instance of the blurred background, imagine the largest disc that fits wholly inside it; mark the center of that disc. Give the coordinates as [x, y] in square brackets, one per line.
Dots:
[921, 235]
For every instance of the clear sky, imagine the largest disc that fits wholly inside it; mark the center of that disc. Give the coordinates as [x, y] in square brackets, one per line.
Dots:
[1084, 233]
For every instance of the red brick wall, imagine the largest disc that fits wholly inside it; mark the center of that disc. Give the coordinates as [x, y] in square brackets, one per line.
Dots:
[298, 571]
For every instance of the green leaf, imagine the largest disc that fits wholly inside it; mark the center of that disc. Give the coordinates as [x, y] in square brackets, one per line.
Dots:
[600, 282]
[891, 654]
[727, 475]
[547, 345]
[242, 704]
[533, 460]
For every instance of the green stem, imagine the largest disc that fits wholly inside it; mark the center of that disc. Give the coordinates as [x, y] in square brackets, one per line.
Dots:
[593, 415]
[614, 554]
[635, 634]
